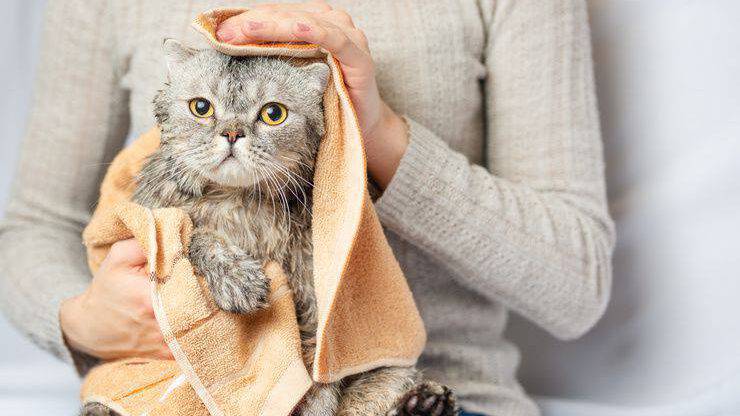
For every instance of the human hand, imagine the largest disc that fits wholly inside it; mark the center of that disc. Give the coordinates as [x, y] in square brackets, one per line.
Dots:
[114, 317]
[334, 30]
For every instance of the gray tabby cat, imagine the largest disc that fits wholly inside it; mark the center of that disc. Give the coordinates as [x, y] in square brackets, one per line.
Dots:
[239, 141]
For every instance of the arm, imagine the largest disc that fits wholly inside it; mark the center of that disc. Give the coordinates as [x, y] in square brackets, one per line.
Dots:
[533, 230]
[77, 123]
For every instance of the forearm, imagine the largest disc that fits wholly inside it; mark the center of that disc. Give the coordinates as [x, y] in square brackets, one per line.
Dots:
[544, 253]
[43, 264]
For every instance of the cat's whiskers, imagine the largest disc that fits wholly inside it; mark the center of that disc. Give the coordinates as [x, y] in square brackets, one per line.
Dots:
[298, 161]
[268, 165]
[303, 200]
[259, 192]
[269, 188]
[293, 177]
[256, 160]
[301, 163]
[255, 186]
[285, 209]
[290, 176]
[284, 197]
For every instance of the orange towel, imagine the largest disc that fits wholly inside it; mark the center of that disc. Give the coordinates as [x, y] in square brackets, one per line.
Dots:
[228, 364]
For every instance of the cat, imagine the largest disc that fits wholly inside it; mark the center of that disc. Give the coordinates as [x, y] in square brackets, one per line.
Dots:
[239, 140]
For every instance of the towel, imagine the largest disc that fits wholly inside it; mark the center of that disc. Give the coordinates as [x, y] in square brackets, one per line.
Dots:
[250, 365]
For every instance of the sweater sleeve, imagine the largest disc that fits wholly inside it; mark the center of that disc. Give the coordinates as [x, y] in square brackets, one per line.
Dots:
[532, 230]
[77, 122]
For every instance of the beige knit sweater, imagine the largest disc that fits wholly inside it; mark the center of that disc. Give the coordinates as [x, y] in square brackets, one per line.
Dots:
[498, 203]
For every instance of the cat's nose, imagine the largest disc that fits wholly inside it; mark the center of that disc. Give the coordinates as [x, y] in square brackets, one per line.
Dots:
[232, 135]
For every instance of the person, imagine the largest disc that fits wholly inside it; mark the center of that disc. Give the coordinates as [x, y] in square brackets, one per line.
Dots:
[480, 125]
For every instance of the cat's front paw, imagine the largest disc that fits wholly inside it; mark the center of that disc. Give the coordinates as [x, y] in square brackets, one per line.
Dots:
[427, 399]
[237, 282]
[240, 288]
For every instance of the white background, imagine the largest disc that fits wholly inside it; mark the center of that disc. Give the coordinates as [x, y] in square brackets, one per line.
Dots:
[668, 74]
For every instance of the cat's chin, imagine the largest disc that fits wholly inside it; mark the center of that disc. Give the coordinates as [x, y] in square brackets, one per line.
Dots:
[232, 173]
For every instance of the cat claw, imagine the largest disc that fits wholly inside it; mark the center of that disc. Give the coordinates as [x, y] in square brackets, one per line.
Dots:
[427, 399]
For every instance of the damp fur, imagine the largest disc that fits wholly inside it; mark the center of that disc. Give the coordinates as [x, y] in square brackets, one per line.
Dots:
[247, 187]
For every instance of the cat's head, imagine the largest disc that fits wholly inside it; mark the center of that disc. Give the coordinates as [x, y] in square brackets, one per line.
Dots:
[240, 122]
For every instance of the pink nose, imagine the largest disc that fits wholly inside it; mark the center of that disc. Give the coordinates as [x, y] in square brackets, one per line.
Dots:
[232, 135]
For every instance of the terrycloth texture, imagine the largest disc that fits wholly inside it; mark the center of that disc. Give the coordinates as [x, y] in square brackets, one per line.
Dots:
[252, 364]
[498, 204]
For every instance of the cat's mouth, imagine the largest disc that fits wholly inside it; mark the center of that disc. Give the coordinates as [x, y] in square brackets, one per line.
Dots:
[230, 170]
[230, 157]
[228, 163]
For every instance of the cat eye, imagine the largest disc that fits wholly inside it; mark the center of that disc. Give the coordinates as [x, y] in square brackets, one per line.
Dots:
[273, 114]
[201, 108]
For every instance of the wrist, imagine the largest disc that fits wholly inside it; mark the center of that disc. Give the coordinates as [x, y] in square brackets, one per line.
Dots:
[385, 146]
[70, 311]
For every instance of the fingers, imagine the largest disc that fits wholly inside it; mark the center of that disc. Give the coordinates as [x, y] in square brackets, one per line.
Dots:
[126, 253]
[255, 26]
[147, 339]
[273, 22]
[142, 303]
[157, 347]
[337, 36]
[335, 39]
[320, 8]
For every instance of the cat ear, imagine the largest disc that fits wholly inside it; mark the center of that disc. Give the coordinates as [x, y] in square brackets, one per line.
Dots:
[175, 53]
[318, 75]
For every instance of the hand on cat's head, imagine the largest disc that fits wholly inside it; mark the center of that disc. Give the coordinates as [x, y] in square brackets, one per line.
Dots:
[240, 121]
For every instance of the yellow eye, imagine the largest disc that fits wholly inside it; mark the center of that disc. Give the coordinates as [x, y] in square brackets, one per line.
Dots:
[201, 108]
[273, 113]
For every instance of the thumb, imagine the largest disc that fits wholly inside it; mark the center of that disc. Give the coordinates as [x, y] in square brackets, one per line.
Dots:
[126, 253]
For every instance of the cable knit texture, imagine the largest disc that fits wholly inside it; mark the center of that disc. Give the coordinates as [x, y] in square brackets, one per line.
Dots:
[498, 204]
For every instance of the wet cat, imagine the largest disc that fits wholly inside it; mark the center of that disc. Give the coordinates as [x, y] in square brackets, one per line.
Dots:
[239, 141]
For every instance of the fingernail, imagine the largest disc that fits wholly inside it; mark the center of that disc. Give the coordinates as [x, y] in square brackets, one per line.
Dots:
[225, 34]
[251, 25]
[302, 27]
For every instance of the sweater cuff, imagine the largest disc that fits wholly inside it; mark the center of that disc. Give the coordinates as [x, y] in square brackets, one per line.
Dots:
[425, 157]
